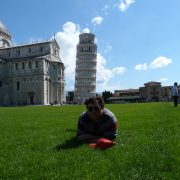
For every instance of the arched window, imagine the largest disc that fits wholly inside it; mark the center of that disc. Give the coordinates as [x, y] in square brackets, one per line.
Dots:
[30, 65]
[41, 49]
[18, 85]
[18, 52]
[23, 65]
[36, 64]
[16, 66]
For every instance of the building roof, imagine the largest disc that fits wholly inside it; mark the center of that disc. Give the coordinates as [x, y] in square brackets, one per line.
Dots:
[28, 44]
[127, 91]
[166, 87]
[123, 98]
[152, 83]
[87, 34]
[33, 43]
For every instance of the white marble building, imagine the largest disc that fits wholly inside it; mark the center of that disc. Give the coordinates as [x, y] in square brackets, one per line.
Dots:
[30, 73]
[86, 60]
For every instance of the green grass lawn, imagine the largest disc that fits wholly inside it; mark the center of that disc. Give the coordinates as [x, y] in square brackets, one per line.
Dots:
[39, 143]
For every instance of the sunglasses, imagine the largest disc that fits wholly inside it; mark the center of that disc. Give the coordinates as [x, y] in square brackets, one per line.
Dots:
[93, 108]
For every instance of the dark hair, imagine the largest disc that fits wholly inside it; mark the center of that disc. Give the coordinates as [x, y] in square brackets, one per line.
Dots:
[94, 100]
[175, 84]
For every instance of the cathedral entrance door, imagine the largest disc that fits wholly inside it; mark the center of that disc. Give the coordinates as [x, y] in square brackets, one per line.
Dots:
[31, 97]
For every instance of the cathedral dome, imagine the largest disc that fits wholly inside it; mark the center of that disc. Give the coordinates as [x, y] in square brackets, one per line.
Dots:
[5, 36]
[2, 26]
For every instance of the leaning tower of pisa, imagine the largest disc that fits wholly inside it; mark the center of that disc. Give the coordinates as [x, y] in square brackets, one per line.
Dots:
[86, 59]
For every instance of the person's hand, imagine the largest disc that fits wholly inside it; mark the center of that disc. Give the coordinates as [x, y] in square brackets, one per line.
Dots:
[102, 143]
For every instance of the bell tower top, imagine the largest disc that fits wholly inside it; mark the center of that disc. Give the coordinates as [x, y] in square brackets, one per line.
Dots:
[86, 38]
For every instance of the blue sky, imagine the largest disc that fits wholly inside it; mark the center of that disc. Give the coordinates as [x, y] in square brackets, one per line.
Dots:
[138, 40]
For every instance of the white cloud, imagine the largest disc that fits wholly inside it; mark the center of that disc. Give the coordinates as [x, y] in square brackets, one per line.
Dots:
[164, 79]
[96, 40]
[108, 48]
[141, 67]
[160, 62]
[103, 74]
[68, 38]
[129, 2]
[86, 30]
[106, 6]
[124, 4]
[97, 20]
[119, 70]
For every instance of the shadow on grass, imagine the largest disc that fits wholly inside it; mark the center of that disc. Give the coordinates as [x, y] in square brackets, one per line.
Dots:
[69, 144]
[71, 130]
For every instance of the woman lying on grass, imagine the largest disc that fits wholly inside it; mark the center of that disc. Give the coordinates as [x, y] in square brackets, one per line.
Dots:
[97, 122]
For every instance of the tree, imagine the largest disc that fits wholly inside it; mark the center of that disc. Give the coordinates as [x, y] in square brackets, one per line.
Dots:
[106, 95]
[70, 96]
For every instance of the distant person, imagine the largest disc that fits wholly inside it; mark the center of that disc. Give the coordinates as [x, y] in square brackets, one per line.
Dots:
[169, 95]
[175, 94]
[97, 122]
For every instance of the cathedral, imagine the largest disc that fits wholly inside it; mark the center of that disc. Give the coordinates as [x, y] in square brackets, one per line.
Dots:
[30, 74]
